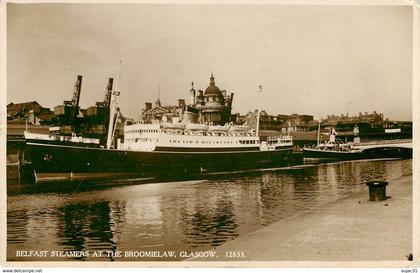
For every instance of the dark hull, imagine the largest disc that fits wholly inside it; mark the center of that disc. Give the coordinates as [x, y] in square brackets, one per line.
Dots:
[53, 158]
[365, 154]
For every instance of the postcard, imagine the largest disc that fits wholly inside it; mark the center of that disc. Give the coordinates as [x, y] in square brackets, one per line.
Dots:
[210, 134]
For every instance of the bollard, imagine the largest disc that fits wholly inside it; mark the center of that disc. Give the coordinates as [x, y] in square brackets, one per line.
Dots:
[377, 190]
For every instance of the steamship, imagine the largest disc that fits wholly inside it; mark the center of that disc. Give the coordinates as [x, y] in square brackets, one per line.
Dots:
[334, 149]
[185, 145]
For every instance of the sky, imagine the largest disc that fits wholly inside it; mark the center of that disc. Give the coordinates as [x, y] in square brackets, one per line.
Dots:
[315, 60]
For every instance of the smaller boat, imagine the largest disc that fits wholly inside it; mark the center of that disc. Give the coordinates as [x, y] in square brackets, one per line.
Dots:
[335, 152]
[334, 149]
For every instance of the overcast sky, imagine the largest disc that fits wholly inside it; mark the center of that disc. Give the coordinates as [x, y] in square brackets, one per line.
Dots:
[316, 60]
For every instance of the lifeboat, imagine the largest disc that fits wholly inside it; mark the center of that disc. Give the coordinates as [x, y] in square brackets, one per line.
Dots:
[197, 127]
[219, 128]
[173, 126]
[239, 128]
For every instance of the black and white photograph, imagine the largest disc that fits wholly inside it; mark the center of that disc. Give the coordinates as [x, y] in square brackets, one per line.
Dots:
[209, 134]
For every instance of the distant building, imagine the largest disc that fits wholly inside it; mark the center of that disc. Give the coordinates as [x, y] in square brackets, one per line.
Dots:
[32, 112]
[212, 106]
[293, 123]
[64, 114]
[373, 118]
[166, 113]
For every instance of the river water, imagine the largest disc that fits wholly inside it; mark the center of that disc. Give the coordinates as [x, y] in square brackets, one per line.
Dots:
[189, 215]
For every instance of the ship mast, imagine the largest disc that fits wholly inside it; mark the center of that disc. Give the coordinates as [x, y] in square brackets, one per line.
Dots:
[259, 110]
[319, 129]
[113, 113]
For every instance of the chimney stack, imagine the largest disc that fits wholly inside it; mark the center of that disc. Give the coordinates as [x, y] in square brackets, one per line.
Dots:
[148, 106]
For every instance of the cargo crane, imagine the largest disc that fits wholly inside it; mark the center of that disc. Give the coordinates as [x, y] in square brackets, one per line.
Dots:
[73, 106]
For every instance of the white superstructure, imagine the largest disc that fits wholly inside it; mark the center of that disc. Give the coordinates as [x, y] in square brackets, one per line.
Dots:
[178, 137]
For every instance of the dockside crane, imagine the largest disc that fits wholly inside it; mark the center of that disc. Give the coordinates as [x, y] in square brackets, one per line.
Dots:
[73, 106]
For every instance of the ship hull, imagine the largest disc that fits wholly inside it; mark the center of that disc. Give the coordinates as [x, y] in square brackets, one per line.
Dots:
[54, 158]
[374, 153]
[332, 155]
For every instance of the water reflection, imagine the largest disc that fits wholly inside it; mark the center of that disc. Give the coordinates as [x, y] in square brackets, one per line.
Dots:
[85, 226]
[189, 215]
